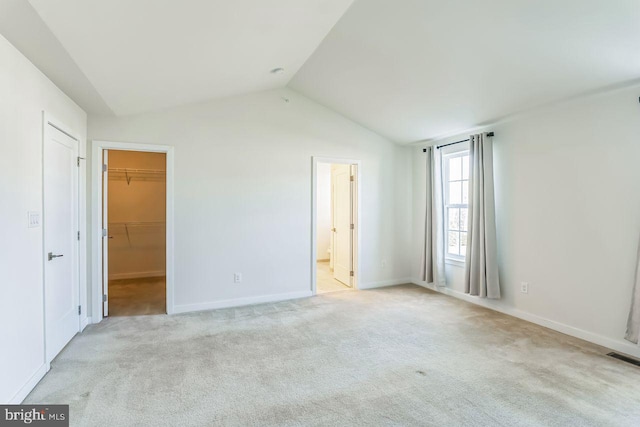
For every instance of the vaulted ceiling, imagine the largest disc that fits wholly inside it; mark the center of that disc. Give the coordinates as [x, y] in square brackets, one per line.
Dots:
[419, 69]
[408, 69]
[146, 55]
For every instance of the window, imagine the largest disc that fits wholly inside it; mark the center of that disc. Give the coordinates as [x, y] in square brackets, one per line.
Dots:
[456, 203]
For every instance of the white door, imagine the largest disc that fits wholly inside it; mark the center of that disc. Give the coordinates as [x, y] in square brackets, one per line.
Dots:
[60, 222]
[105, 233]
[342, 224]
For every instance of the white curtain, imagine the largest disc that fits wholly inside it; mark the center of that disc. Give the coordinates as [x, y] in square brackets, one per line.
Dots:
[433, 249]
[633, 323]
[481, 263]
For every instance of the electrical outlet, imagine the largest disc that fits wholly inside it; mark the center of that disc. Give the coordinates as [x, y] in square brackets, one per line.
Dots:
[237, 277]
[524, 287]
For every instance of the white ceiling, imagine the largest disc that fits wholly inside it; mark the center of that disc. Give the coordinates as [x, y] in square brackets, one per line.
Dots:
[21, 25]
[408, 69]
[419, 69]
[147, 55]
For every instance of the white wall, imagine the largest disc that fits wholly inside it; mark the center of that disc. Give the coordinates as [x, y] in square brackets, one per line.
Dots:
[24, 93]
[243, 194]
[324, 211]
[568, 215]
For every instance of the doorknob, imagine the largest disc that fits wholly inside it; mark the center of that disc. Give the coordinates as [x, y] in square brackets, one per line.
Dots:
[52, 256]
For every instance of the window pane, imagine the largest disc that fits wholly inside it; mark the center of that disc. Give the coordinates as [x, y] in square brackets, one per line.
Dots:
[463, 243]
[463, 219]
[455, 193]
[452, 243]
[465, 167]
[455, 169]
[454, 218]
[465, 192]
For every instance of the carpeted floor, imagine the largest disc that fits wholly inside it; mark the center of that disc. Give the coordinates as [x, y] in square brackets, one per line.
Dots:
[395, 356]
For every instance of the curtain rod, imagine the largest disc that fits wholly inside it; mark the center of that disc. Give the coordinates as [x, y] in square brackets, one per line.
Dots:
[424, 150]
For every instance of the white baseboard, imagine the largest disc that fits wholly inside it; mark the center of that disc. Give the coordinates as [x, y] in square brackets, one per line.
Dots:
[86, 321]
[238, 302]
[136, 275]
[382, 284]
[30, 384]
[618, 345]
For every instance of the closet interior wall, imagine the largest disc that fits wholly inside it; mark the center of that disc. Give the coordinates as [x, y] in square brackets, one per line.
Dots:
[137, 214]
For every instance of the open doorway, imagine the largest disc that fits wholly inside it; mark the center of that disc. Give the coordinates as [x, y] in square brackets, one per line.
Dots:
[134, 217]
[335, 213]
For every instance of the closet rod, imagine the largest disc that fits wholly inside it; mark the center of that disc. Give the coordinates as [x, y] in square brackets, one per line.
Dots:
[158, 171]
[139, 223]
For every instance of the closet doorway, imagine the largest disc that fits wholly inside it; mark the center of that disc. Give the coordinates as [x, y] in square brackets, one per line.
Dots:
[136, 229]
[335, 223]
[134, 217]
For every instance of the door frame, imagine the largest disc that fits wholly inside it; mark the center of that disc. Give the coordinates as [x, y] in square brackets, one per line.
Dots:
[314, 217]
[96, 218]
[80, 243]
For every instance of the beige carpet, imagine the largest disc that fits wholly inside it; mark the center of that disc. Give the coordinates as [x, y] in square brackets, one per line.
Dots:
[393, 356]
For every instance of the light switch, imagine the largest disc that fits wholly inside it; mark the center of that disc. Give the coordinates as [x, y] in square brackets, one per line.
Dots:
[34, 219]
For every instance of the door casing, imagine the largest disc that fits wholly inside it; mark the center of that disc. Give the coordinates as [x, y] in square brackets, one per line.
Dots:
[356, 215]
[97, 219]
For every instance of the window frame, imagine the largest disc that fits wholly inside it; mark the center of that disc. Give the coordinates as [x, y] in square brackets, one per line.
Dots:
[461, 151]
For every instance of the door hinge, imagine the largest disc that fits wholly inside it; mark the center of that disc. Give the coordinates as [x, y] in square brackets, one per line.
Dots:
[78, 160]
[104, 232]
[353, 226]
[353, 178]
[351, 273]
[78, 235]
[104, 168]
[104, 297]
[79, 310]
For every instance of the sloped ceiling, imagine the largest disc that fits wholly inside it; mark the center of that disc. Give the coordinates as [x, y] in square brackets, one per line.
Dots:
[419, 69]
[22, 27]
[410, 70]
[147, 55]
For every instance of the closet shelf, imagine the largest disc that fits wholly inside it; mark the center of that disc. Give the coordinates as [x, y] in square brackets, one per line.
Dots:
[139, 174]
[135, 224]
